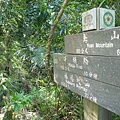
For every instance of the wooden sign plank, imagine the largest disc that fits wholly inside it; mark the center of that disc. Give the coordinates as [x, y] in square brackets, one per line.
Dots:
[104, 43]
[104, 69]
[103, 94]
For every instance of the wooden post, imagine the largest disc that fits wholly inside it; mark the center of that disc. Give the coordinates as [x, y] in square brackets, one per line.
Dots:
[93, 111]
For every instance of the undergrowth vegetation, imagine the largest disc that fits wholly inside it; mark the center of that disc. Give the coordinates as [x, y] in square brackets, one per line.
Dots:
[24, 85]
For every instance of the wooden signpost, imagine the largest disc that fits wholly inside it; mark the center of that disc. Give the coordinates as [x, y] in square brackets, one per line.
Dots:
[90, 67]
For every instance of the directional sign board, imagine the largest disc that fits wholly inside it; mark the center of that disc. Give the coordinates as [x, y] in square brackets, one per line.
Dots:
[103, 94]
[104, 43]
[103, 69]
[91, 67]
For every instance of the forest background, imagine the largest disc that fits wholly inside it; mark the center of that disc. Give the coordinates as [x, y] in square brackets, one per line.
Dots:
[31, 31]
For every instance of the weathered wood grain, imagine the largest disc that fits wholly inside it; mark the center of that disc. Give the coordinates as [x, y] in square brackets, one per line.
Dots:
[104, 69]
[105, 95]
[91, 67]
[103, 42]
[92, 111]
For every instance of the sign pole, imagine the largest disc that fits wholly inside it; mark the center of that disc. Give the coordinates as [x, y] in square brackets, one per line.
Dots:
[93, 111]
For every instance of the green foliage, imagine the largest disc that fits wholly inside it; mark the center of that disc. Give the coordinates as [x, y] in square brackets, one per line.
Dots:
[20, 101]
[24, 30]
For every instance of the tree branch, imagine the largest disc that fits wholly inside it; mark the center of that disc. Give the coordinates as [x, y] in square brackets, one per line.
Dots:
[48, 47]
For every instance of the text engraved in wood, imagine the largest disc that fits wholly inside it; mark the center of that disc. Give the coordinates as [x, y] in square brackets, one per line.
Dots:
[104, 69]
[105, 43]
[105, 95]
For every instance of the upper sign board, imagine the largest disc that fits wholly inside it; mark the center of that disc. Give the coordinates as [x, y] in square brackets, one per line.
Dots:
[102, 42]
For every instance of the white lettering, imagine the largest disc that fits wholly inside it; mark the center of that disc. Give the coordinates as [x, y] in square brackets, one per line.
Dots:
[79, 67]
[65, 59]
[85, 38]
[85, 73]
[82, 51]
[66, 76]
[71, 78]
[79, 80]
[78, 51]
[64, 84]
[62, 67]
[115, 36]
[90, 74]
[95, 99]
[66, 68]
[71, 65]
[86, 95]
[81, 88]
[90, 45]
[86, 50]
[104, 45]
[85, 61]
[87, 85]
[75, 60]
[70, 83]
[118, 52]
[95, 76]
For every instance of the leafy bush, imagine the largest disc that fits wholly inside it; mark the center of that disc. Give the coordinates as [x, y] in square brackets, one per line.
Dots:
[24, 30]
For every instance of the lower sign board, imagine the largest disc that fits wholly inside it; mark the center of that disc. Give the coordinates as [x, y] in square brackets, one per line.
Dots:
[105, 95]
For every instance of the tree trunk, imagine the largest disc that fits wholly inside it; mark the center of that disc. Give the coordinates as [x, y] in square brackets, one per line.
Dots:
[48, 47]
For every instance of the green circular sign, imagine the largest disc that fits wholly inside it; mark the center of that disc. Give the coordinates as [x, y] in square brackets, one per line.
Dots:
[108, 19]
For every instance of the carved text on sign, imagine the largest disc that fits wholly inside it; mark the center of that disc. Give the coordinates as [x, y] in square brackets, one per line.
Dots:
[115, 36]
[104, 43]
[90, 67]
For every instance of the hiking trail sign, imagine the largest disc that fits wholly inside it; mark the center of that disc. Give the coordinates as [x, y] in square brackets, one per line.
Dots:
[90, 67]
